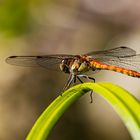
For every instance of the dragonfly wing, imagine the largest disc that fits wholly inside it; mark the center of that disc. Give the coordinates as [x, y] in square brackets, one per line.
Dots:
[46, 61]
[27, 61]
[129, 62]
[53, 61]
[118, 52]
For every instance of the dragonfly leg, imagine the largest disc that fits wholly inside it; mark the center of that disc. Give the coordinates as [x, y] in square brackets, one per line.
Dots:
[91, 96]
[80, 79]
[69, 82]
[90, 78]
[87, 77]
[74, 81]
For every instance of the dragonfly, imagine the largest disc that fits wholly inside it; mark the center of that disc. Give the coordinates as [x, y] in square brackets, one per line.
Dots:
[122, 59]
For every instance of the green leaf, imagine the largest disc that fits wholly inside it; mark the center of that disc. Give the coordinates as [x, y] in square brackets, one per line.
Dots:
[126, 105]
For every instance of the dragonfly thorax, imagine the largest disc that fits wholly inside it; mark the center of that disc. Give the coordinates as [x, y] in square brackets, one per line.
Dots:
[75, 66]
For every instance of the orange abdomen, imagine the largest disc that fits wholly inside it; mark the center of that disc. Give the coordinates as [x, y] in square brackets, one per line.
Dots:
[97, 64]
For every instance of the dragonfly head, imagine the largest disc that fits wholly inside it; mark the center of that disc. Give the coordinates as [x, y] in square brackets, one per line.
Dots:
[64, 66]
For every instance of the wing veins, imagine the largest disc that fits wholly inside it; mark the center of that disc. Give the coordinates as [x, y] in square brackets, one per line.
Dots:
[129, 62]
[118, 52]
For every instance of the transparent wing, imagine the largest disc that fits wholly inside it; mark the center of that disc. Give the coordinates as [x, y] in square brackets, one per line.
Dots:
[118, 52]
[22, 61]
[127, 62]
[123, 57]
[46, 61]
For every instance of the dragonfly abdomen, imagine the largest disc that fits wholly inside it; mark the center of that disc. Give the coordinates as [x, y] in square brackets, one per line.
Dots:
[99, 65]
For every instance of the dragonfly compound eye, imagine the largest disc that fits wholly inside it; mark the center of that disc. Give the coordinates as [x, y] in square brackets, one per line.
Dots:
[64, 67]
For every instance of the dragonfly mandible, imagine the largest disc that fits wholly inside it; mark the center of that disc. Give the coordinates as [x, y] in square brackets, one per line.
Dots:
[122, 59]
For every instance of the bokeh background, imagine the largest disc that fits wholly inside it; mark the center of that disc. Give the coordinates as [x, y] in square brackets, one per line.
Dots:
[35, 27]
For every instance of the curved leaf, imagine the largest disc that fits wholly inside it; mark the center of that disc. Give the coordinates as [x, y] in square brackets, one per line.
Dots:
[126, 105]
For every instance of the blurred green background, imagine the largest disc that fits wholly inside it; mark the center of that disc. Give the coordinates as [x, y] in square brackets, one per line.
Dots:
[36, 27]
